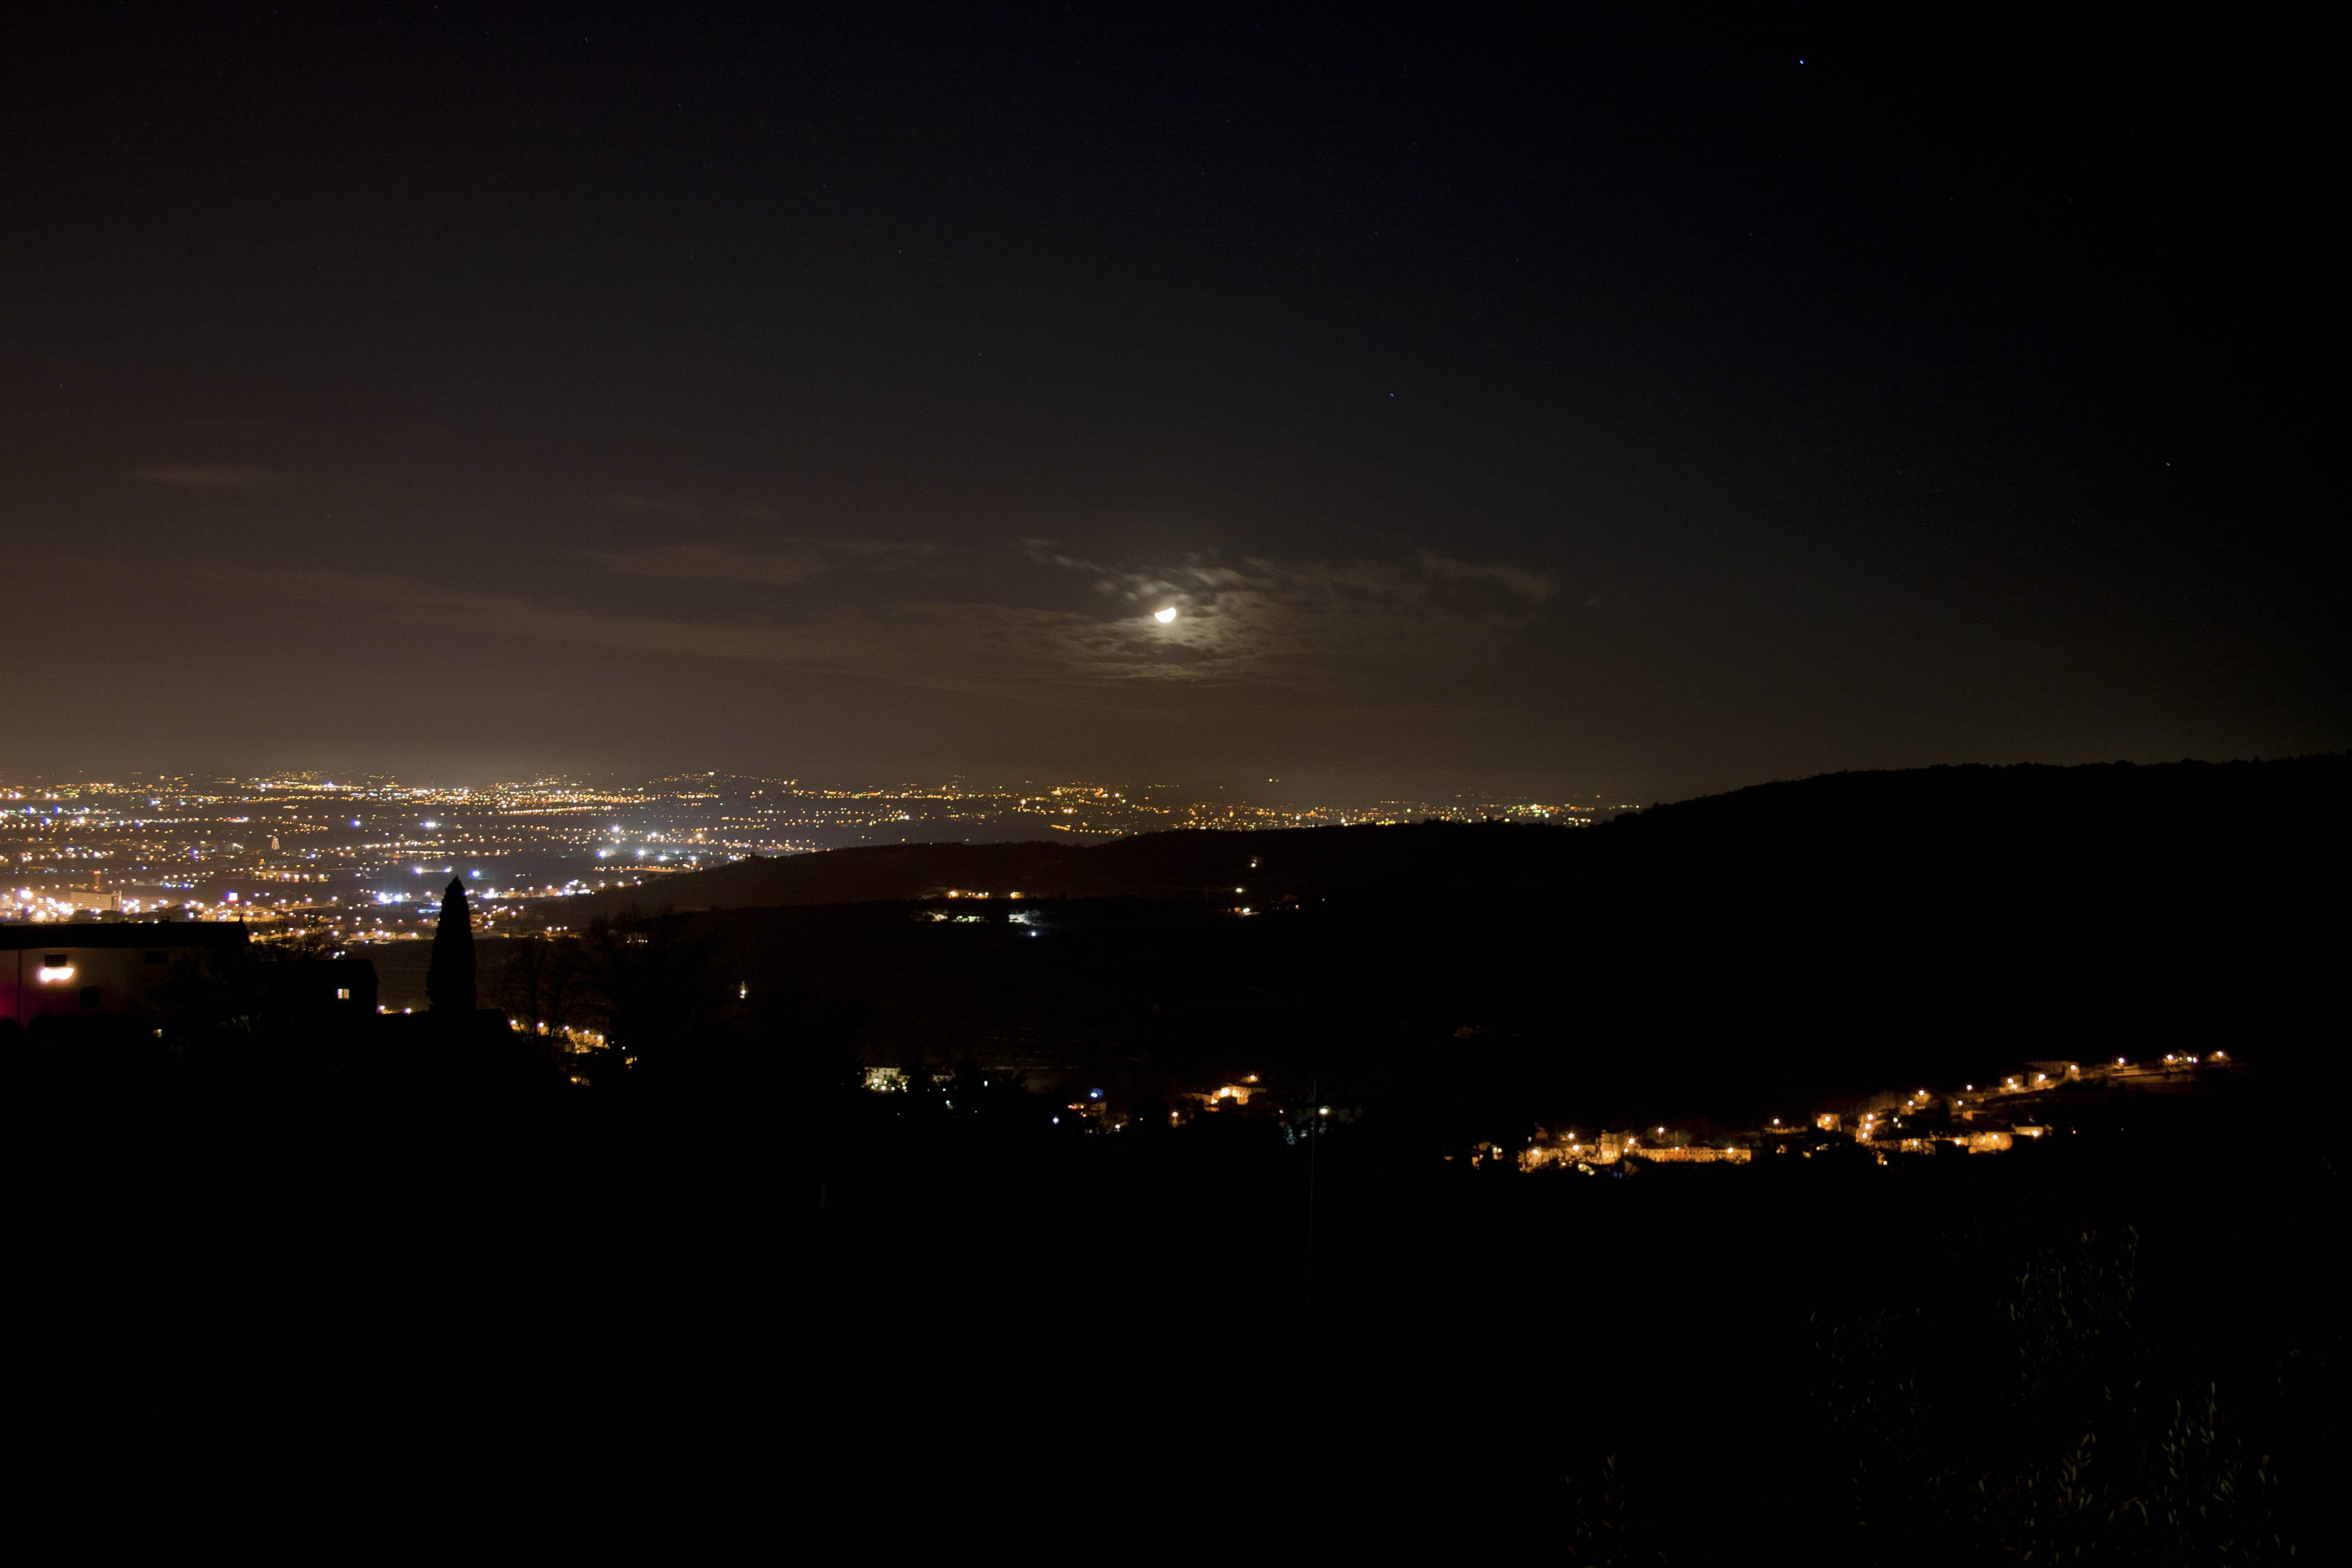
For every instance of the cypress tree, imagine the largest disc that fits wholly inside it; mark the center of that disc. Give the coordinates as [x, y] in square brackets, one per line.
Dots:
[450, 981]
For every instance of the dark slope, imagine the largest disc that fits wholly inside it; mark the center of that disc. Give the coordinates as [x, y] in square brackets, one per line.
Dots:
[1192, 866]
[2028, 805]
[2187, 823]
[1944, 920]
[1722, 956]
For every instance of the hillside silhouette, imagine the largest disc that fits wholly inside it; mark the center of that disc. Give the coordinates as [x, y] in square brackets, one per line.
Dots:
[1729, 956]
[1189, 865]
[2191, 822]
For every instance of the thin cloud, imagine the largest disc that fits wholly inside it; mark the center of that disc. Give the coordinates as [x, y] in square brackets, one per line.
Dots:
[998, 650]
[774, 568]
[1532, 585]
[1428, 620]
[1366, 636]
[796, 562]
[656, 506]
[222, 479]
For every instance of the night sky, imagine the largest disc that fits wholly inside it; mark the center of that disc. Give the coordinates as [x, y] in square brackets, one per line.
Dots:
[1570, 411]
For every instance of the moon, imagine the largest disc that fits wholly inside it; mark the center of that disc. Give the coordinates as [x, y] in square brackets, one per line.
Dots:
[1164, 616]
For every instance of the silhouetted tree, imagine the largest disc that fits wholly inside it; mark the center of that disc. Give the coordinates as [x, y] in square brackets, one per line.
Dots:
[2045, 1426]
[450, 980]
[308, 942]
[210, 999]
[540, 983]
[661, 1001]
[797, 1069]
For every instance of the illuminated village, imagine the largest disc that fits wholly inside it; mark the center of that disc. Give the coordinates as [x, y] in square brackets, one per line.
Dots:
[1994, 1119]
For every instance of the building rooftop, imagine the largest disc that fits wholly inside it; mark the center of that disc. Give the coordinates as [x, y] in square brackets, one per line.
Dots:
[62, 934]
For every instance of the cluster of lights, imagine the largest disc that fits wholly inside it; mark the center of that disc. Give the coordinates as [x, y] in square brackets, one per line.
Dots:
[40, 908]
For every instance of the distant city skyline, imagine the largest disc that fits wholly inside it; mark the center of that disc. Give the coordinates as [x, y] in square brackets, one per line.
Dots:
[263, 845]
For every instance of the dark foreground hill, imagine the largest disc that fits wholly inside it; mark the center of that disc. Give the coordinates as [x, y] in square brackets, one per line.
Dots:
[976, 1313]
[2191, 820]
[1191, 867]
[1728, 957]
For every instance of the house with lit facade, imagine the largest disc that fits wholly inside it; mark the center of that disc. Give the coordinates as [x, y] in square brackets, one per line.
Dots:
[75, 970]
